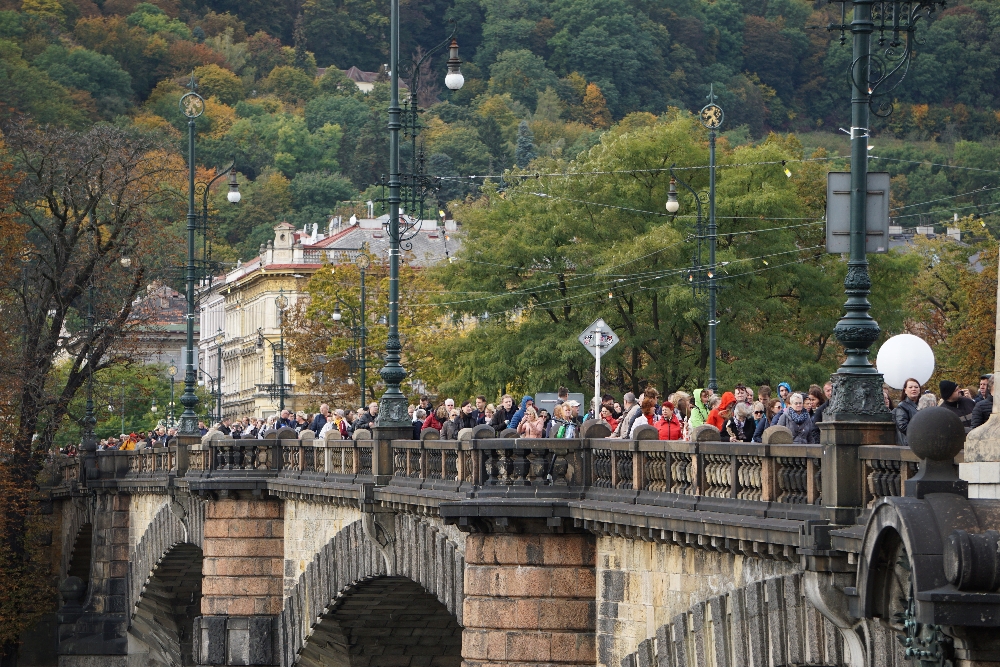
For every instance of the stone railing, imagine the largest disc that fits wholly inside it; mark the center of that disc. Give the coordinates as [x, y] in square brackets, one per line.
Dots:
[703, 474]
[282, 454]
[783, 473]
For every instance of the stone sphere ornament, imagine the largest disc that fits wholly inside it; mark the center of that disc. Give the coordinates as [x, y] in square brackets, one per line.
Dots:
[905, 356]
[936, 434]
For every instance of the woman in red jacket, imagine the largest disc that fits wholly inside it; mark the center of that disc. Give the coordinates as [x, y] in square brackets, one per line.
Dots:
[436, 419]
[720, 415]
[668, 425]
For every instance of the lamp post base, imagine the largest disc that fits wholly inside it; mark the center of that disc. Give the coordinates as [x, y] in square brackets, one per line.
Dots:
[857, 397]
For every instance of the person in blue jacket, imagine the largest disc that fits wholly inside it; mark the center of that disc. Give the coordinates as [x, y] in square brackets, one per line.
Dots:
[519, 415]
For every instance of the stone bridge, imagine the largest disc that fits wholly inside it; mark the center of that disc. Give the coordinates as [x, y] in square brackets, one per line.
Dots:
[505, 552]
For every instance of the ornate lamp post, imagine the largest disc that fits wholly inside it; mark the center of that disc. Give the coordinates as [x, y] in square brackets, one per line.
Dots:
[173, 372]
[392, 406]
[711, 117]
[874, 73]
[193, 106]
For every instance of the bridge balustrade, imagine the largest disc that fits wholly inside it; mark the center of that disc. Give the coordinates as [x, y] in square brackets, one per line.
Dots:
[641, 471]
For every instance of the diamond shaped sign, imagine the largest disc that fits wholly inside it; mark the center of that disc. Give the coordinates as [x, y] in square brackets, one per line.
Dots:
[608, 338]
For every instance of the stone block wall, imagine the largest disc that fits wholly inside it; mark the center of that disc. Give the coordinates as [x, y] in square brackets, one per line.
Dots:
[109, 582]
[529, 599]
[644, 585]
[309, 526]
[143, 509]
[243, 558]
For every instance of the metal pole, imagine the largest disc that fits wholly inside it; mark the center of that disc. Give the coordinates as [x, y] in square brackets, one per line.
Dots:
[123, 406]
[189, 419]
[218, 379]
[858, 384]
[363, 334]
[712, 233]
[597, 372]
[171, 400]
[392, 407]
[281, 363]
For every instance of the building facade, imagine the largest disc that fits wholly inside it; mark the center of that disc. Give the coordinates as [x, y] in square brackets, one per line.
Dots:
[240, 318]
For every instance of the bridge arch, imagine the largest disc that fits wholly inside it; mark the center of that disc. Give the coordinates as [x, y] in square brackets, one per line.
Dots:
[769, 622]
[384, 620]
[350, 568]
[165, 587]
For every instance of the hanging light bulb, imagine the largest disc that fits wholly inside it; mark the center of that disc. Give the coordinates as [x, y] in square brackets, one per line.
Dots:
[234, 189]
[672, 204]
[454, 79]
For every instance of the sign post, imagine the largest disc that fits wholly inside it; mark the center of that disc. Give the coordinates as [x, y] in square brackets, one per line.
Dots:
[598, 338]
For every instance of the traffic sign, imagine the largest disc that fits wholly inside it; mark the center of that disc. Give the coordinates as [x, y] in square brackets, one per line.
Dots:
[607, 340]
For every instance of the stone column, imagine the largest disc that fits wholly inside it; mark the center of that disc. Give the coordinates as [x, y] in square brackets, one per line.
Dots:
[242, 581]
[529, 600]
[982, 446]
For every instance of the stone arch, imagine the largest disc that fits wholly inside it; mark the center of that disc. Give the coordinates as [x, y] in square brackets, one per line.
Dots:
[81, 554]
[423, 555]
[77, 514]
[765, 622]
[161, 629]
[180, 521]
[384, 620]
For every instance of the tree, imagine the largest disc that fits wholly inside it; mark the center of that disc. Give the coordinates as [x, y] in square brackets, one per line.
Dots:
[319, 345]
[80, 205]
[315, 194]
[525, 152]
[522, 74]
[543, 259]
[595, 108]
[99, 75]
[219, 82]
[289, 84]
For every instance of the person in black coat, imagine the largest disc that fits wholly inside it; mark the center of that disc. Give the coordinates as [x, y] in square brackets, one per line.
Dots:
[954, 400]
[983, 409]
[467, 417]
[501, 418]
[906, 409]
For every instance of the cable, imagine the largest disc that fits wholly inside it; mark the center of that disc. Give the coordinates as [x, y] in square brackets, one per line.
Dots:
[935, 164]
[971, 192]
[665, 215]
[770, 229]
[613, 172]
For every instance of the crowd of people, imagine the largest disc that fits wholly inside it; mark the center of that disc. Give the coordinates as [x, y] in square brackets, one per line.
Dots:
[740, 415]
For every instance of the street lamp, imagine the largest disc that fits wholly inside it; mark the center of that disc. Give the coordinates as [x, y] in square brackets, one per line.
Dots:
[392, 406]
[711, 116]
[173, 372]
[233, 196]
[874, 75]
[193, 106]
[454, 79]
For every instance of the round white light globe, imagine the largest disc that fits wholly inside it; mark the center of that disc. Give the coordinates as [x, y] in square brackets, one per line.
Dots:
[905, 356]
[673, 206]
[233, 197]
[454, 80]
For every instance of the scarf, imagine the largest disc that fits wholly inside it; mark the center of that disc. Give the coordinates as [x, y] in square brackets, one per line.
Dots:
[798, 417]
